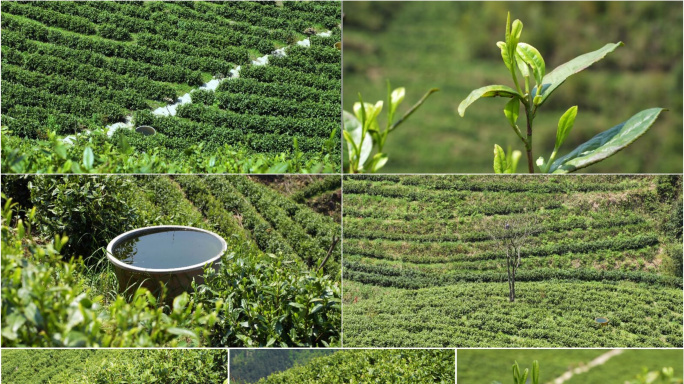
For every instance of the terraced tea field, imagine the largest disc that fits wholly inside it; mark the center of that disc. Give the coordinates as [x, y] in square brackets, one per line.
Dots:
[356, 366]
[422, 270]
[231, 86]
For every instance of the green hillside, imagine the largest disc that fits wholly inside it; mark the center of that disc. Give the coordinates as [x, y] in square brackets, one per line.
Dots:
[194, 71]
[248, 366]
[87, 366]
[372, 366]
[422, 269]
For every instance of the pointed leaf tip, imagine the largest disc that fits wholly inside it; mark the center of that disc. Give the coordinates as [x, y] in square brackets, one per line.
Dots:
[607, 143]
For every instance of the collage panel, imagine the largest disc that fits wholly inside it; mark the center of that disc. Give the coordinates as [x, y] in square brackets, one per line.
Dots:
[91, 366]
[171, 261]
[564, 87]
[512, 261]
[171, 86]
[342, 366]
[570, 366]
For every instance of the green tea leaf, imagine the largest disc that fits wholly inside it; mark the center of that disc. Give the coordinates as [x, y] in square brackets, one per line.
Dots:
[512, 111]
[499, 159]
[565, 125]
[558, 76]
[379, 161]
[352, 133]
[607, 143]
[534, 59]
[88, 158]
[504, 55]
[488, 91]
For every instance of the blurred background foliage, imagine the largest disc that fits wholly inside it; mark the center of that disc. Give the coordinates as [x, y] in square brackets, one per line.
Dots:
[452, 46]
[477, 366]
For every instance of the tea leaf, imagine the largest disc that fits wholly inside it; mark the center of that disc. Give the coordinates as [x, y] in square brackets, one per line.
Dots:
[499, 159]
[534, 59]
[352, 134]
[565, 125]
[558, 76]
[488, 91]
[607, 143]
[512, 111]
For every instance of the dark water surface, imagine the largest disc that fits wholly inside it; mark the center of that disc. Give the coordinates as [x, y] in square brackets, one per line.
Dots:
[163, 249]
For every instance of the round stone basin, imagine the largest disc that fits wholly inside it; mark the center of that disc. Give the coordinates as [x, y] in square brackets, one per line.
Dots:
[602, 321]
[170, 254]
[146, 130]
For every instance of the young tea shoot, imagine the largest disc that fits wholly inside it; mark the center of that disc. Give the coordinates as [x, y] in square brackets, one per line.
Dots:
[362, 131]
[533, 86]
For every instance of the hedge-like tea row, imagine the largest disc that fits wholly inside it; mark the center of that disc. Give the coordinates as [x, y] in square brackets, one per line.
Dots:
[268, 239]
[137, 54]
[329, 183]
[270, 74]
[15, 94]
[412, 279]
[49, 66]
[51, 18]
[307, 232]
[496, 207]
[259, 105]
[247, 123]
[212, 136]
[571, 246]
[546, 314]
[165, 73]
[282, 91]
[359, 229]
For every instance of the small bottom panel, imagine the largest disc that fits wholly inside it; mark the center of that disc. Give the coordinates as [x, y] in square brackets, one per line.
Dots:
[62, 366]
[569, 366]
[333, 366]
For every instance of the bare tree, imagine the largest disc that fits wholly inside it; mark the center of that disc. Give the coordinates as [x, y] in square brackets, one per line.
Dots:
[511, 237]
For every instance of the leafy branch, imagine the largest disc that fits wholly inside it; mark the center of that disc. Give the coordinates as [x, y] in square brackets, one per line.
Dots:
[523, 59]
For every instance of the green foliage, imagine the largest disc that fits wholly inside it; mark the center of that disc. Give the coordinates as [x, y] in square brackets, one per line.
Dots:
[366, 366]
[362, 131]
[126, 366]
[96, 208]
[45, 301]
[74, 69]
[477, 366]
[250, 366]
[254, 299]
[422, 245]
[318, 187]
[118, 156]
[518, 56]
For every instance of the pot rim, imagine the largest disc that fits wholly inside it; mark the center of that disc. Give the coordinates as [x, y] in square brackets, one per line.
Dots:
[120, 264]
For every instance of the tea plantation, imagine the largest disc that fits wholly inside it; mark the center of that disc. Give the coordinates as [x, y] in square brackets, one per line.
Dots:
[422, 270]
[108, 366]
[278, 284]
[371, 366]
[70, 69]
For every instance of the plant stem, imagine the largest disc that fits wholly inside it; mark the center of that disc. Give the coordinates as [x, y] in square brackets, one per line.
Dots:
[530, 160]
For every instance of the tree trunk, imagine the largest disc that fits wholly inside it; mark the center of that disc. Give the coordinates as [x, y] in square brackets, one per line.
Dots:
[512, 290]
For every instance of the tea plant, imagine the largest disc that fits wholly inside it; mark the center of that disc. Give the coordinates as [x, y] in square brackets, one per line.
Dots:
[362, 131]
[522, 58]
[521, 378]
[663, 376]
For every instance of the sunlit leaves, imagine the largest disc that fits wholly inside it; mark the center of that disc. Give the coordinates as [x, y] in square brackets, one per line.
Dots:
[607, 143]
[488, 91]
[565, 124]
